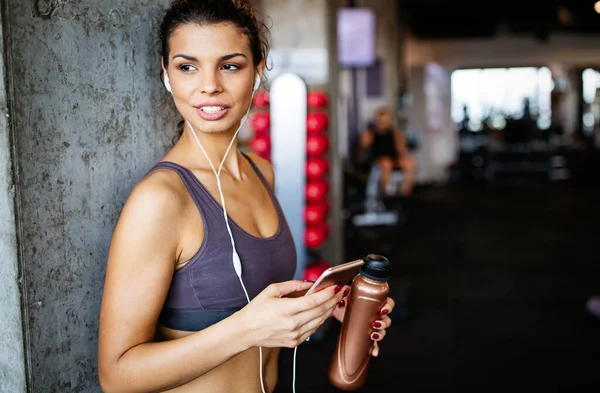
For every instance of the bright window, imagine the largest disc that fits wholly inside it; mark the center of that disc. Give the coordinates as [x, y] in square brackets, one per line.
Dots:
[495, 94]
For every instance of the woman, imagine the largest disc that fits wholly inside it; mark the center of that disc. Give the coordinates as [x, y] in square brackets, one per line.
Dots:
[387, 147]
[175, 315]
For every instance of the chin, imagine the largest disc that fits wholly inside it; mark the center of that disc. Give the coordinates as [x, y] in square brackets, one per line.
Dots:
[215, 127]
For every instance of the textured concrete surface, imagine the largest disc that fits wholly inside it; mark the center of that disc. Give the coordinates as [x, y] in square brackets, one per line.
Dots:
[90, 118]
[295, 24]
[12, 363]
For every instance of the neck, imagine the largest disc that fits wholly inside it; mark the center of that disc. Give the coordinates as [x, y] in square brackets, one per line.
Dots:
[216, 148]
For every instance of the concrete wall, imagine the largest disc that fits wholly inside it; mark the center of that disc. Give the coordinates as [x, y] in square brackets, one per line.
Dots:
[12, 361]
[299, 39]
[90, 117]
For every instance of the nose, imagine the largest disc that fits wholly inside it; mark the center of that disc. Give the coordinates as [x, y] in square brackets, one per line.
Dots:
[210, 82]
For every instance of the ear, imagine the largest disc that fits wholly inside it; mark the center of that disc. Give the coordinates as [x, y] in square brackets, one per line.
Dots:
[162, 65]
[167, 83]
[165, 76]
[257, 81]
[260, 69]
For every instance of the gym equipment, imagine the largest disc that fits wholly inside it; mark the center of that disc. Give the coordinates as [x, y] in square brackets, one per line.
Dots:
[317, 99]
[317, 123]
[375, 211]
[316, 167]
[261, 144]
[261, 123]
[314, 214]
[317, 144]
[314, 237]
[288, 109]
[316, 191]
[261, 99]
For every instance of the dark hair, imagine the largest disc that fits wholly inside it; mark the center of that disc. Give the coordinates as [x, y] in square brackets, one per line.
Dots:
[209, 12]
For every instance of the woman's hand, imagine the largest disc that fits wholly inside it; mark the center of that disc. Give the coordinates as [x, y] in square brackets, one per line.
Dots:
[379, 325]
[273, 320]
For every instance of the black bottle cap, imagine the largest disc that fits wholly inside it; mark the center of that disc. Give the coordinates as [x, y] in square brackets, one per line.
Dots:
[376, 268]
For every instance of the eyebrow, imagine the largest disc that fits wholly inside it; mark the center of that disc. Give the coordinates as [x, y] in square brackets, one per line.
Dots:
[222, 58]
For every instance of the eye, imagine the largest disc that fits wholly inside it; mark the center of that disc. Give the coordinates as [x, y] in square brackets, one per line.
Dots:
[186, 67]
[231, 67]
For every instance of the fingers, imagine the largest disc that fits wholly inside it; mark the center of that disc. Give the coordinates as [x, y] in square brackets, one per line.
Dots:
[383, 323]
[379, 332]
[303, 330]
[311, 326]
[375, 349]
[322, 303]
[282, 289]
[332, 294]
[310, 320]
[388, 307]
[378, 335]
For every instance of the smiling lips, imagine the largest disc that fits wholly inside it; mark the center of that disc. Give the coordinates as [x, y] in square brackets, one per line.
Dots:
[212, 112]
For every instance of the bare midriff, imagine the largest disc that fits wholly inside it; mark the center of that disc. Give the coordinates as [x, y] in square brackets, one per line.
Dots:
[239, 374]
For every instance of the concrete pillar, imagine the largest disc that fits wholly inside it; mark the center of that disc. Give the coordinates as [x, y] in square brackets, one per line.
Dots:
[12, 358]
[90, 117]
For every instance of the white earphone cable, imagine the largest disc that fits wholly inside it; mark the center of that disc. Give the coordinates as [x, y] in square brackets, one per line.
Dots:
[236, 258]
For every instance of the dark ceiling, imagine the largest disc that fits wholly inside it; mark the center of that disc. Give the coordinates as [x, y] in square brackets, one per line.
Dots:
[471, 19]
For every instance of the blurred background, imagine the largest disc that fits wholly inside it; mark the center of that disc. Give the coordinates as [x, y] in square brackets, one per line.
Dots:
[493, 244]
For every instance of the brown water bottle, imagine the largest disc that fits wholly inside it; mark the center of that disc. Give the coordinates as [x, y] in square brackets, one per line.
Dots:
[370, 289]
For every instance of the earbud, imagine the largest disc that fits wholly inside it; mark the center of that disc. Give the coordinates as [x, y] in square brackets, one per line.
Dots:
[237, 263]
[167, 83]
[256, 83]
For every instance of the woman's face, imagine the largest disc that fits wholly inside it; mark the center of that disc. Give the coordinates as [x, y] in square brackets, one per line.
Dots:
[212, 74]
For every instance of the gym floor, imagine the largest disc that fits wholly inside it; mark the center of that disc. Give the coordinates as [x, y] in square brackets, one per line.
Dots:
[498, 281]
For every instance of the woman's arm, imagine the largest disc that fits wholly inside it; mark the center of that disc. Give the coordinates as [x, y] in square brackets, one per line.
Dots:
[141, 262]
[401, 145]
[143, 254]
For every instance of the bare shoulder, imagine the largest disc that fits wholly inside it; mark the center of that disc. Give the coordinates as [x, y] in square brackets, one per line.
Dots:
[157, 198]
[264, 167]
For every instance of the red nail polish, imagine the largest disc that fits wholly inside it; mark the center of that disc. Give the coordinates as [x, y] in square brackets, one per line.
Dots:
[384, 311]
[375, 336]
[337, 288]
[309, 281]
[376, 325]
[346, 292]
[342, 304]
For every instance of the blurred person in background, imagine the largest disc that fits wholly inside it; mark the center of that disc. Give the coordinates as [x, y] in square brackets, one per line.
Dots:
[384, 144]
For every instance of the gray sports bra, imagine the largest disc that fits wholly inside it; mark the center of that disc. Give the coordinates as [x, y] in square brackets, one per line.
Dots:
[207, 290]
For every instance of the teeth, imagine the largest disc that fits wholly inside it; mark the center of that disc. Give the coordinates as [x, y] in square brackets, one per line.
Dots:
[212, 109]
